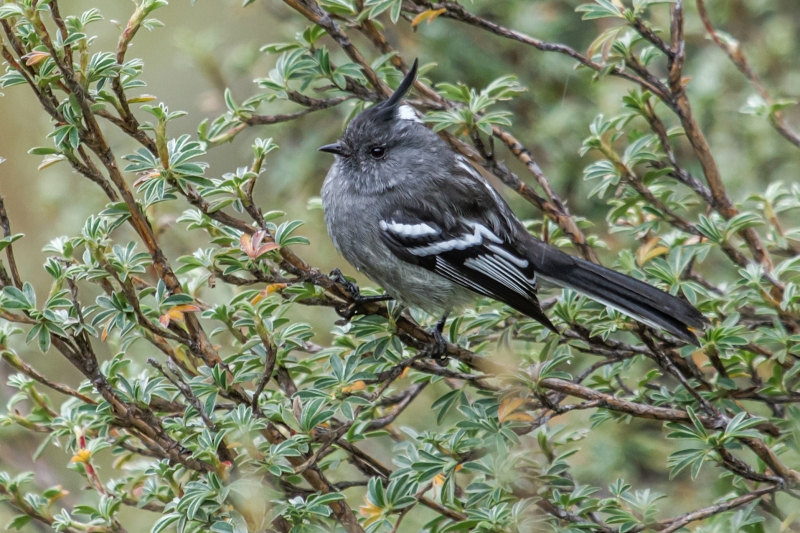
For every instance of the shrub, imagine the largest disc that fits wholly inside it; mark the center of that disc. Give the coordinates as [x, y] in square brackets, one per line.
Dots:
[247, 418]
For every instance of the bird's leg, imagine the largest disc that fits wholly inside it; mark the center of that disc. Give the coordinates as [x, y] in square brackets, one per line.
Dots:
[357, 300]
[438, 349]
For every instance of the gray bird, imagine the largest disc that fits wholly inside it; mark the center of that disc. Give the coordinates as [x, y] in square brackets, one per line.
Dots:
[419, 220]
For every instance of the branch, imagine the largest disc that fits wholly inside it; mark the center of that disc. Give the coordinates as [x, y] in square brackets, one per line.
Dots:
[457, 12]
[260, 120]
[12, 263]
[637, 410]
[223, 451]
[734, 52]
[677, 523]
[19, 365]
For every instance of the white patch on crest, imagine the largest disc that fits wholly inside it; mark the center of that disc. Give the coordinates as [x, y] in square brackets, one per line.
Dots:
[406, 112]
[461, 243]
[408, 230]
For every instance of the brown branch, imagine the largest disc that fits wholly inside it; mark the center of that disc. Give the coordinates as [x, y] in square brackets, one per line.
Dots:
[408, 397]
[675, 99]
[312, 105]
[678, 56]
[554, 207]
[701, 514]
[129, 124]
[18, 502]
[313, 12]
[12, 263]
[637, 410]
[372, 467]
[734, 52]
[269, 366]
[21, 366]
[678, 101]
[457, 12]
[657, 125]
[223, 451]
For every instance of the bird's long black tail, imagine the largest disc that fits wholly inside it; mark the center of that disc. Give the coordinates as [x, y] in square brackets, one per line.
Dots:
[630, 296]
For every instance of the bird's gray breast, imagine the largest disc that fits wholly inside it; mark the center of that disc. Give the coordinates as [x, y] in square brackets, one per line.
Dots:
[353, 222]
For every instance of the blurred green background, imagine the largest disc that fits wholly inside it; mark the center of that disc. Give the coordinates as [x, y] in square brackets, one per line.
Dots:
[214, 44]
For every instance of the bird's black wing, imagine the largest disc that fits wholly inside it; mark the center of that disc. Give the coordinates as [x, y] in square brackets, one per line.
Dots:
[465, 242]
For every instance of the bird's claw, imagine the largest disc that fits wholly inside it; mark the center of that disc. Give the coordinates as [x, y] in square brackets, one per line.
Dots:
[337, 277]
[356, 298]
[437, 350]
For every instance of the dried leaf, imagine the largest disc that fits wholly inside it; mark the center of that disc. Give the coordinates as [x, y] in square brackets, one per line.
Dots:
[650, 251]
[58, 496]
[430, 15]
[253, 247]
[146, 176]
[34, 58]
[370, 511]
[176, 314]
[519, 417]
[357, 386]
[141, 99]
[50, 160]
[508, 406]
[271, 288]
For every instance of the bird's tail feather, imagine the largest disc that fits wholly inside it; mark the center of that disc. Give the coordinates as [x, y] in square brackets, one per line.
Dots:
[630, 296]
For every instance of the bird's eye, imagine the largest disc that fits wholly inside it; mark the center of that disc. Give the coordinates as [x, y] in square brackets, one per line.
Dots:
[377, 152]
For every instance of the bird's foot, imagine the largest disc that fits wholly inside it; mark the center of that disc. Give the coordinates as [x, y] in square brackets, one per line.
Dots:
[336, 276]
[357, 300]
[437, 350]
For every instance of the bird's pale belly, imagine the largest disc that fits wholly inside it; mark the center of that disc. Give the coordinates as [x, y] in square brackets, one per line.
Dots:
[410, 284]
[417, 287]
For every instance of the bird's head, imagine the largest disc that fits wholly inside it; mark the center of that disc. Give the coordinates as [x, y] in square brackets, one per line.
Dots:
[383, 136]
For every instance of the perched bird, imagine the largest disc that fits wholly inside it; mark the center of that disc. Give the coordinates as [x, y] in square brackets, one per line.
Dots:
[414, 216]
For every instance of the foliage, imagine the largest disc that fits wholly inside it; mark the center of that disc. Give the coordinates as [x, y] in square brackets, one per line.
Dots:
[245, 422]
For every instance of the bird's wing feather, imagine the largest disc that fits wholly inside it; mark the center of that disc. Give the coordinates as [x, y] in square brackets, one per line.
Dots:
[466, 250]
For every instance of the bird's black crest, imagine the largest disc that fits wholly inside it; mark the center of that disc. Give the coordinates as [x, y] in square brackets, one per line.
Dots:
[386, 110]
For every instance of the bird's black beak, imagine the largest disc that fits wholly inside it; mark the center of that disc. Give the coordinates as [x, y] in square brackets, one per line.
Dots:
[335, 148]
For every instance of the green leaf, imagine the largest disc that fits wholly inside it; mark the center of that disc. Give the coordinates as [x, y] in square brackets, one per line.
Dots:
[43, 150]
[739, 427]
[373, 8]
[600, 9]
[11, 10]
[19, 521]
[20, 299]
[701, 430]
[222, 527]
[165, 521]
[741, 222]
[5, 242]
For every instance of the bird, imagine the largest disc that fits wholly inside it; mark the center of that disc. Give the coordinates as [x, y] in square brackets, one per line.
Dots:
[418, 219]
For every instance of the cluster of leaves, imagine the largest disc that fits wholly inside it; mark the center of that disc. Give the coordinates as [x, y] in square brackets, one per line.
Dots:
[243, 423]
